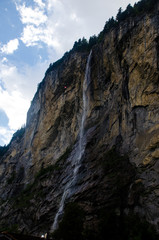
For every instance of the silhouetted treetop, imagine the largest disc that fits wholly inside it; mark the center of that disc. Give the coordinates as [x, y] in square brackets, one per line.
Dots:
[82, 45]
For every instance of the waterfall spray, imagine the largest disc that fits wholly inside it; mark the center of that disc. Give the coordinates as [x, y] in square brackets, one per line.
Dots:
[80, 148]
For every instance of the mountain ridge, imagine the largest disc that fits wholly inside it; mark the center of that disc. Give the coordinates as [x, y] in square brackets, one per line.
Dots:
[119, 168]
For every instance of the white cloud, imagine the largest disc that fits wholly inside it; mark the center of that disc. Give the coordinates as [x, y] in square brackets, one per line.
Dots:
[24, 80]
[15, 107]
[40, 3]
[29, 15]
[10, 47]
[74, 17]
[18, 91]
[4, 60]
[57, 24]
[32, 35]
[5, 135]
[51, 23]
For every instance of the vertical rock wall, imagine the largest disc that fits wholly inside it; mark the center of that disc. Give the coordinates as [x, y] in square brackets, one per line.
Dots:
[123, 112]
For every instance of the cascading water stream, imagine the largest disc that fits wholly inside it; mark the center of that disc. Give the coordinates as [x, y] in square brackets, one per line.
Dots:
[80, 148]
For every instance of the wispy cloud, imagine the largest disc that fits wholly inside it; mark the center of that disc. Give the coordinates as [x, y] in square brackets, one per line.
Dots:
[15, 107]
[54, 25]
[34, 20]
[4, 60]
[31, 15]
[59, 23]
[10, 47]
[16, 94]
[5, 135]
[40, 3]
[32, 35]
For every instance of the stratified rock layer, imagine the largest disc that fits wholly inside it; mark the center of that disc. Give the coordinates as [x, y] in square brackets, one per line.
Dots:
[123, 115]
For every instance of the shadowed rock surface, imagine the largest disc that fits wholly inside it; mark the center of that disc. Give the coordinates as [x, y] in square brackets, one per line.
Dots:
[119, 168]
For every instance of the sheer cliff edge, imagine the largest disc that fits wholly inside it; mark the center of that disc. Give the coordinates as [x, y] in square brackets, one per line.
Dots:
[119, 169]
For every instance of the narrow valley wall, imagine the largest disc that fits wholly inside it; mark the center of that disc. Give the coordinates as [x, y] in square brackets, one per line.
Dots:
[123, 112]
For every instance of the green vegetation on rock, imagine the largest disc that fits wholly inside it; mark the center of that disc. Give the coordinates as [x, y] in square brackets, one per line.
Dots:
[3, 150]
[12, 178]
[16, 136]
[82, 45]
[9, 228]
[71, 226]
[34, 191]
[111, 226]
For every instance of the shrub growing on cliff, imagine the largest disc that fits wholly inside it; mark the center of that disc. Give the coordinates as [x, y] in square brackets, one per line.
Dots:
[57, 166]
[92, 41]
[18, 134]
[3, 150]
[112, 161]
[54, 65]
[127, 227]
[32, 191]
[110, 226]
[135, 227]
[81, 45]
[10, 228]
[71, 226]
[12, 178]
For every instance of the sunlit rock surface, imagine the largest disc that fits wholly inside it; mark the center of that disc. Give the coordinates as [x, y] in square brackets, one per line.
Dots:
[123, 115]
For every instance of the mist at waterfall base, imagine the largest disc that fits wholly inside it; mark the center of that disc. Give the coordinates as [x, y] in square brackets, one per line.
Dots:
[79, 150]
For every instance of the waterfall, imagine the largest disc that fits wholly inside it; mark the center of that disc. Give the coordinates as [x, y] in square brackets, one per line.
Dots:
[80, 148]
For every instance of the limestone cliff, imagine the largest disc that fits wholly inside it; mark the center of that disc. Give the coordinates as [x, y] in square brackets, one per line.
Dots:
[119, 168]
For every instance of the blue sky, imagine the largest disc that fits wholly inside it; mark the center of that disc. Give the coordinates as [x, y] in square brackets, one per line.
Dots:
[35, 33]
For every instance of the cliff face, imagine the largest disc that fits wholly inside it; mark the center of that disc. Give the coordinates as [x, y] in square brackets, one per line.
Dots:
[119, 167]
